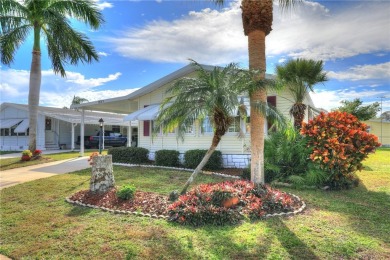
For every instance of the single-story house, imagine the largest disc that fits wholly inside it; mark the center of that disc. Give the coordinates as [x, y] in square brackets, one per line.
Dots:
[142, 106]
[380, 128]
[56, 127]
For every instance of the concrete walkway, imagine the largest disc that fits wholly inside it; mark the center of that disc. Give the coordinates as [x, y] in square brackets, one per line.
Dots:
[19, 154]
[16, 176]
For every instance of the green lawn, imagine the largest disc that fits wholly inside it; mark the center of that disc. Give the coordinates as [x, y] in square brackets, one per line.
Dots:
[36, 223]
[8, 152]
[12, 163]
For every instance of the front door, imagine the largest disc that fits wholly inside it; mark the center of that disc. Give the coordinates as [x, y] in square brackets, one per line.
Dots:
[49, 133]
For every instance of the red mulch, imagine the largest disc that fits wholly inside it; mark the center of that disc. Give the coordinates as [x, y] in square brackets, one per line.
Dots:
[146, 202]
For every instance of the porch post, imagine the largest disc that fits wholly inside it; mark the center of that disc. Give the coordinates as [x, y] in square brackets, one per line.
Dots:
[72, 144]
[82, 133]
[129, 134]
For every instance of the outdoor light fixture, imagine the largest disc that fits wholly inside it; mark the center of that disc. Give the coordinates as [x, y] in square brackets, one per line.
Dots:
[101, 121]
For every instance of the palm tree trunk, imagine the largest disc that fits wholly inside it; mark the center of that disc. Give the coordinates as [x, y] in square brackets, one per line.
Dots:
[34, 90]
[198, 169]
[256, 46]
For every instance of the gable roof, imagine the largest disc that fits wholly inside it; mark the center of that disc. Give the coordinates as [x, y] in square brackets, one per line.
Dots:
[127, 104]
[72, 116]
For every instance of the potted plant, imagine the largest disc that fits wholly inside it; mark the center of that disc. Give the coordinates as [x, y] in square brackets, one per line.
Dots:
[26, 155]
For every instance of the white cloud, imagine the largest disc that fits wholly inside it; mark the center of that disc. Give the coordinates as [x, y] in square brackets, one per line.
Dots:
[101, 53]
[102, 5]
[55, 91]
[216, 36]
[330, 99]
[362, 72]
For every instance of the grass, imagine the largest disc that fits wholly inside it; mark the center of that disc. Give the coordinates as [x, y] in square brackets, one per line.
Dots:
[36, 223]
[12, 163]
[8, 152]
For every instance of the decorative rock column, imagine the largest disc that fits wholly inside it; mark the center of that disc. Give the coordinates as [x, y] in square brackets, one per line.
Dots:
[102, 178]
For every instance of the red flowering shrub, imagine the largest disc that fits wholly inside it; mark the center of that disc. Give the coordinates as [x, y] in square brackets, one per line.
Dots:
[340, 143]
[37, 153]
[213, 203]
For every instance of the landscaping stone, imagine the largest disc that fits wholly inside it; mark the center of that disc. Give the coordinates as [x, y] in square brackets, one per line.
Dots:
[102, 178]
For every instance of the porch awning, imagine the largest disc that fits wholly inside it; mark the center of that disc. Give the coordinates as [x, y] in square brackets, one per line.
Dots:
[7, 123]
[22, 127]
[146, 113]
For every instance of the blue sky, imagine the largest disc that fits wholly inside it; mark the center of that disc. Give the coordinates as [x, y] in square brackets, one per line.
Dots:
[143, 41]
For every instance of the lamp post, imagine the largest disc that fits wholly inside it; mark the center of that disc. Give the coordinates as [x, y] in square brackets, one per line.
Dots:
[101, 121]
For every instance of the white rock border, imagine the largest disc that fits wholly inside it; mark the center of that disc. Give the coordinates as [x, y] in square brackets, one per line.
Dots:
[137, 213]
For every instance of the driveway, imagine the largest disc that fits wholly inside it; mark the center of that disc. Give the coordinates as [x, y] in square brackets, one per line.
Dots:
[13, 177]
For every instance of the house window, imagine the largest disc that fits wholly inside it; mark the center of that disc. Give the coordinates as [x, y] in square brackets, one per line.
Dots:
[116, 129]
[13, 131]
[207, 127]
[47, 124]
[235, 126]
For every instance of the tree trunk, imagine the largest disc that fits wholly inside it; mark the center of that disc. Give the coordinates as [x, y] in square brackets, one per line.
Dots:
[256, 46]
[214, 144]
[298, 113]
[34, 90]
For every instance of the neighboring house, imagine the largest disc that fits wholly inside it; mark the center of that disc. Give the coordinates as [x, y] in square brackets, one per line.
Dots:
[380, 128]
[143, 106]
[56, 127]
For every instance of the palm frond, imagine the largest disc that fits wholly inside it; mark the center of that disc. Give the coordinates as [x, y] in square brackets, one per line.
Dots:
[271, 113]
[11, 41]
[68, 45]
[83, 10]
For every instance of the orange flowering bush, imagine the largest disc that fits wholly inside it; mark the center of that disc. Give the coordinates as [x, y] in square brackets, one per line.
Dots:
[340, 143]
[91, 157]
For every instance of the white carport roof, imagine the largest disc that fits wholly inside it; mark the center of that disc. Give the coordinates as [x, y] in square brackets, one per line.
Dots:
[74, 116]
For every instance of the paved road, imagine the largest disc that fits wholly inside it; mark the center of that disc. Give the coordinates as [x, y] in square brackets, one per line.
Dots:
[13, 177]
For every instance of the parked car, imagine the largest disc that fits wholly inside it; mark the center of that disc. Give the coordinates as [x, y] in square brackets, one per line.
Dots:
[110, 139]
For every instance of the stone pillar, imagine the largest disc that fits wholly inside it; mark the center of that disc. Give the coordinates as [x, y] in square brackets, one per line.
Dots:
[102, 178]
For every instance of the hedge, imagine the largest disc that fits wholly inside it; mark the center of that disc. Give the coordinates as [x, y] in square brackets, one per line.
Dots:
[167, 158]
[137, 155]
[193, 157]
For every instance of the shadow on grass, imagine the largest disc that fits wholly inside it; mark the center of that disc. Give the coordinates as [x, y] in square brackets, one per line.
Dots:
[296, 248]
[78, 211]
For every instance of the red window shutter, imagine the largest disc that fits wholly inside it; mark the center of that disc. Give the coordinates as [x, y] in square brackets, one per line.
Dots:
[271, 100]
[146, 126]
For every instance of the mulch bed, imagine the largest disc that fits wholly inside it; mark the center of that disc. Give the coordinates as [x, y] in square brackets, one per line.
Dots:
[146, 202]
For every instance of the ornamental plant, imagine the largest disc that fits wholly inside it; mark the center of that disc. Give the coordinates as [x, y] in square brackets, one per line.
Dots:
[90, 160]
[37, 153]
[227, 203]
[340, 143]
[126, 192]
[27, 153]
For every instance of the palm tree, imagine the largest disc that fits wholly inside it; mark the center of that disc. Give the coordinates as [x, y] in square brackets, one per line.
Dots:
[78, 100]
[50, 20]
[213, 95]
[300, 76]
[257, 18]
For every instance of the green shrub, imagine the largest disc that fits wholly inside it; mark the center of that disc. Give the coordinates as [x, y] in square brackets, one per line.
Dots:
[285, 154]
[192, 158]
[136, 155]
[167, 158]
[126, 192]
[246, 173]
